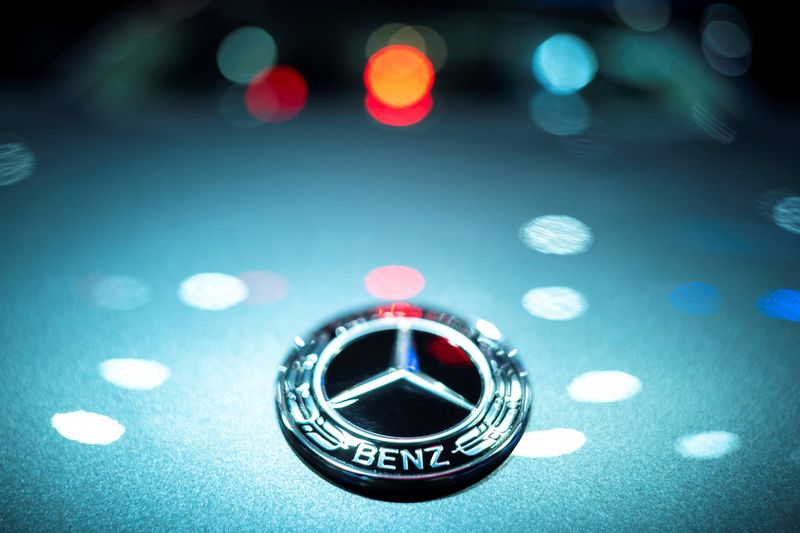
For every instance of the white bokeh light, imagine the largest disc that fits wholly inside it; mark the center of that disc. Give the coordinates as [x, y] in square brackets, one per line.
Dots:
[549, 443]
[602, 386]
[556, 234]
[707, 445]
[555, 303]
[212, 291]
[87, 428]
[134, 374]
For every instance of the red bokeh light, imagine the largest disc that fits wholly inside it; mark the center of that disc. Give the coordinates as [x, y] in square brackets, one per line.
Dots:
[398, 116]
[400, 309]
[394, 282]
[276, 94]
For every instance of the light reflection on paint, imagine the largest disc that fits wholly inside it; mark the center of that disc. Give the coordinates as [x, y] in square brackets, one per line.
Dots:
[560, 114]
[134, 374]
[87, 428]
[264, 288]
[212, 291]
[549, 443]
[17, 163]
[786, 214]
[394, 282]
[707, 445]
[783, 304]
[120, 293]
[398, 116]
[556, 234]
[564, 63]
[604, 386]
[696, 298]
[555, 303]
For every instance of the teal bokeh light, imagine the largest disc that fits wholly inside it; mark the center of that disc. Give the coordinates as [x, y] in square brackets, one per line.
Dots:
[564, 63]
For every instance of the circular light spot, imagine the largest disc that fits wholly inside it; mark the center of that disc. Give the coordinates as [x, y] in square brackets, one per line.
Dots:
[435, 46]
[398, 116]
[87, 428]
[487, 329]
[549, 443]
[643, 15]
[604, 386]
[707, 445]
[264, 287]
[17, 162]
[134, 374]
[727, 39]
[276, 94]
[696, 298]
[564, 63]
[555, 303]
[399, 76]
[212, 291]
[394, 282]
[245, 52]
[381, 37]
[408, 36]
[120, 293]
[786, 213]
[560, 114]
[783, 304]
[556, 234]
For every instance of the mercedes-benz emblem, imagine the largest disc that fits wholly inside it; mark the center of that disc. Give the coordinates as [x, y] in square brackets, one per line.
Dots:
[402, 402]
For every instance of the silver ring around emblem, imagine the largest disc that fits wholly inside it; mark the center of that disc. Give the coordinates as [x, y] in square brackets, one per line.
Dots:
[403, 402]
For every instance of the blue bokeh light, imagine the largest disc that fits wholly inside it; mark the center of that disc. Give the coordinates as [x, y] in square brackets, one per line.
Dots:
[564, 63]
[783, 304]
[696, 298]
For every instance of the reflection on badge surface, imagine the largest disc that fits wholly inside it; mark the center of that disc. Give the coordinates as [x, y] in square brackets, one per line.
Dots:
[402, 402]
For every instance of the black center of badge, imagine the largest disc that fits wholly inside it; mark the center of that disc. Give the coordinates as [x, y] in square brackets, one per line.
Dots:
[403, 403]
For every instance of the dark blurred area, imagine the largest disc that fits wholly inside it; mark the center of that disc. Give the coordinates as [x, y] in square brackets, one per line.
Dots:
[170, 45]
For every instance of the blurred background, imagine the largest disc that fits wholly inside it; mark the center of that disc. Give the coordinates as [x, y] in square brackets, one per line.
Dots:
[697, 65]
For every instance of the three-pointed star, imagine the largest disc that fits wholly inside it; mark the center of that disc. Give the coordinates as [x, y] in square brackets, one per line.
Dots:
[405, 366]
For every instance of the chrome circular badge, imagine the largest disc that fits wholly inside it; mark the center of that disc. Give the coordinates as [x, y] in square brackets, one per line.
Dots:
[403, 402]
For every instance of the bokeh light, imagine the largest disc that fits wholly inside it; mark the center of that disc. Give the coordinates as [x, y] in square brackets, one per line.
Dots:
[399, 76]
[245, 52]
[120, 293]
[643, 15]
[786, 213]
[783, 304]
[398, 116]
[564, 63]
[87, 428]
[212, 291]
[394, 282]
[17, 163]
[707, 445]
[134, 374]
[264, 288]
[726, 40]
[425, 39]
[556, 234]
[549, 443]
[604, 386]
[695, 298]
[560, 114]
[276, 94]
[555, 303]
